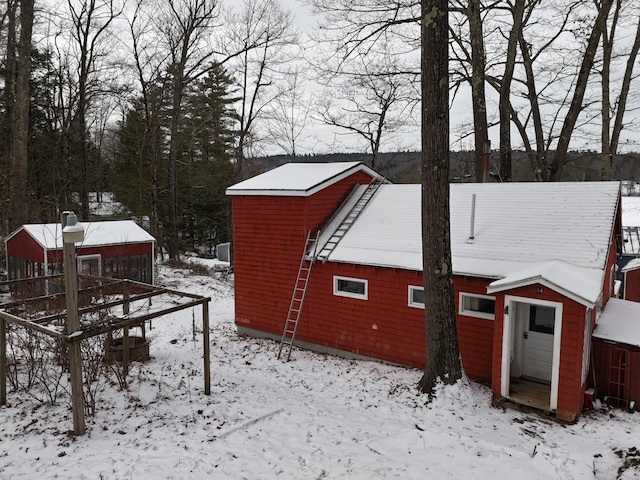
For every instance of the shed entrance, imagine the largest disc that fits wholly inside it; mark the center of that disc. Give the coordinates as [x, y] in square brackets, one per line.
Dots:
[531, 352]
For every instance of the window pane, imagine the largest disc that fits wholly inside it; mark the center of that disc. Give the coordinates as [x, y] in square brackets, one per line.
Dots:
[351, 286]
[480, 304]
[417, 296]
[542, 319]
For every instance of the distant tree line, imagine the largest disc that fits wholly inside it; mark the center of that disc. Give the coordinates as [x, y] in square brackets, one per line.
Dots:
[404, 167]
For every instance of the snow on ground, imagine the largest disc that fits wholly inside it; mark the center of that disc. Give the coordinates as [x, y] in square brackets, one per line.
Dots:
[314, 417]
[631, 211]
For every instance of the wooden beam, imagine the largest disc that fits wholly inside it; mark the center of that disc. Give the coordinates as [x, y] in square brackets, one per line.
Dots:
[33, 326]
[3, 361]
[206, 348]
[130, 322]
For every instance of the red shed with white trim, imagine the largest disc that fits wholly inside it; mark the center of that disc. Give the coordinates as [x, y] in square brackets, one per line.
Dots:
[118, 249]
[532, 262]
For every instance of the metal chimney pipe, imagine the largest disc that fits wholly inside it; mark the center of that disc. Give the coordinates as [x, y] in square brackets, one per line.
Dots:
[473, 217]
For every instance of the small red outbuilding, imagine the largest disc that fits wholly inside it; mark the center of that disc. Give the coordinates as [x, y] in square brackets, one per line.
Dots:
[533, 264]
[118, 249]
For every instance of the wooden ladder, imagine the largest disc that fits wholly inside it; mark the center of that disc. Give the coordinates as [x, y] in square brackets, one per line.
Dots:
[299, 292]
[350, 219]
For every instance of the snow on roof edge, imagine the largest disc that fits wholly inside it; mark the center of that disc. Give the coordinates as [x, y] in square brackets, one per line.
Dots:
[245, 187]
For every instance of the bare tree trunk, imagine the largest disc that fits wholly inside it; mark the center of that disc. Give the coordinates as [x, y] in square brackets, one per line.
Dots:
[19, 115]
[478, 95]
[505, 92]
[612, 140]
[560, 158]
[443, 357]
[176, 111]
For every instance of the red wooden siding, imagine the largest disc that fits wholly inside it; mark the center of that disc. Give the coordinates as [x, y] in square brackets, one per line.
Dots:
[22, 245]
[475, 335]
[269, 237]
[606, 376]
[632, 285]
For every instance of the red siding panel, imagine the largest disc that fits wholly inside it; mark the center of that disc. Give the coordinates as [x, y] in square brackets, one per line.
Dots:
[22, 245]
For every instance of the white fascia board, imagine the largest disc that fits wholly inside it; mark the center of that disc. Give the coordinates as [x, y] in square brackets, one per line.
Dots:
[304, 193]
[545, 283]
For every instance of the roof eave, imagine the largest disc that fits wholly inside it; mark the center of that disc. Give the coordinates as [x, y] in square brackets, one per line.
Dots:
[540, 280]
[309, 191]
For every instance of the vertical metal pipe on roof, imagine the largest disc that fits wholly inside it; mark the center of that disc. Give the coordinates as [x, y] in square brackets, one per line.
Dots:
[473, 217]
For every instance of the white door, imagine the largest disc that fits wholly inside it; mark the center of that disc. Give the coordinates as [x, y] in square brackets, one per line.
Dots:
[538, 342]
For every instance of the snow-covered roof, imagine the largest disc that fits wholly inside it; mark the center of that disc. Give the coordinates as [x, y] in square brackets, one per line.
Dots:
[633, 264]
[619, 322]
[49, 235]
[298, 179]
[516, 226]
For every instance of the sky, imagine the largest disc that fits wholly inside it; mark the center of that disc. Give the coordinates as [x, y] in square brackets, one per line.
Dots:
[319, 138]
[315, 417]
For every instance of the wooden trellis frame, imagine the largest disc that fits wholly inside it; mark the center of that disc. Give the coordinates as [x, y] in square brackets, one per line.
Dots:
[92, 297]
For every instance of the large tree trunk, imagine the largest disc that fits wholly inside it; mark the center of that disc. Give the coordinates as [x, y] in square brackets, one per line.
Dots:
[443, 357]
[18, 76]
[478, 95]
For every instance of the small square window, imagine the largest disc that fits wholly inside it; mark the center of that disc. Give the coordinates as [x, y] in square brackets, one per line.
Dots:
[350, 287]
[480, 306]
[416, 296]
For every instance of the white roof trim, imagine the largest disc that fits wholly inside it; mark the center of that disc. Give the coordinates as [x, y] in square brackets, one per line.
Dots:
[298, 179]
[577, 283]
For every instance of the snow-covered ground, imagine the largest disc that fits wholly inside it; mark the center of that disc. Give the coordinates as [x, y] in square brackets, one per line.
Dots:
[314, 417]
[631, 211]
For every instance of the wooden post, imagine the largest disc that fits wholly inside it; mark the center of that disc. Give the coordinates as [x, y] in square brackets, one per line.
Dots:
[73, 325]
[125, 298]
[206, 348]
[125, 354]
[3, 361]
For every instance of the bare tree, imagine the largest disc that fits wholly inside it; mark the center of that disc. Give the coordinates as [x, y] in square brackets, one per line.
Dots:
[504, 107]
[443, 356]
[289, 113]
[611, 133]
[369, 97]
[262, 31]
[148, 61]
[19, 21]
[472, 14]
[579, 91]
[186, 26]
[91, 20]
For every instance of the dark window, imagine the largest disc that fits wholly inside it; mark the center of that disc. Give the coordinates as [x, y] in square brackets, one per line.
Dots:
[350, 287]
[542, 319]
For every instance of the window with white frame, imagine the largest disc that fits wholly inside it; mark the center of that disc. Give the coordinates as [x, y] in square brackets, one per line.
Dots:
[90, 265]
[480, 306]
[350, 287]
[416, 296]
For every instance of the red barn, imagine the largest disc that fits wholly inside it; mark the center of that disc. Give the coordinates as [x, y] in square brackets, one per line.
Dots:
[532, 264]
[119, 249]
